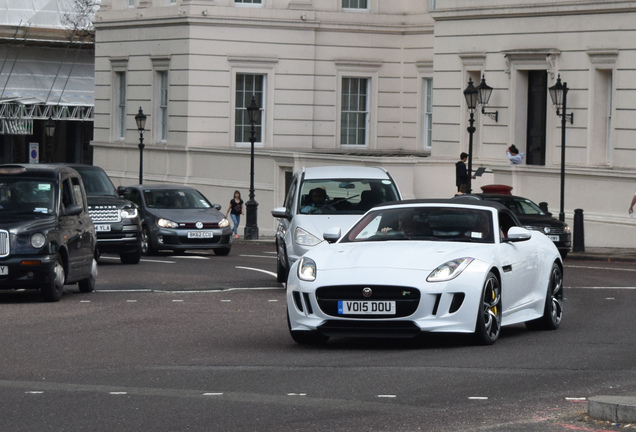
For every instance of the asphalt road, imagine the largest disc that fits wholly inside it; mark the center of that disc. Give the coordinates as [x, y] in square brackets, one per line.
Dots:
[200, 343]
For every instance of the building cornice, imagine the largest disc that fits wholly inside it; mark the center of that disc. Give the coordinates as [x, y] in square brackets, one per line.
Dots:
[470, 9]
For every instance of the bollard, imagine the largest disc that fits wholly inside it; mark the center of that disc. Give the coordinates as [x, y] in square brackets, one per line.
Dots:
[578, 242]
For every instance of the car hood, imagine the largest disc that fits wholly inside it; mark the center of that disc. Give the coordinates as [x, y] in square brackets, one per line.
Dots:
[20, 223]
[540, 221]
[318, 224]
[106, 200]
[397, 254]
[188, 215]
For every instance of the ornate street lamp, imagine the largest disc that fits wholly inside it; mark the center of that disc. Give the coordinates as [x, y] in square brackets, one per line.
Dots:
[559, 96]
[140, 118]
[49, 131]
[484, 96]
[471, 94]
[251, 222]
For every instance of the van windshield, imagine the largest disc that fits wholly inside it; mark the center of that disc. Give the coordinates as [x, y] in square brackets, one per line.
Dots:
[344, 196]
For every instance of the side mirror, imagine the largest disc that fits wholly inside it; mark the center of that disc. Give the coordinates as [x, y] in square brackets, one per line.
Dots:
[332, 235]
[281, 213]
[517, 234]
[217, 206]
[122, 190]
[72, 210]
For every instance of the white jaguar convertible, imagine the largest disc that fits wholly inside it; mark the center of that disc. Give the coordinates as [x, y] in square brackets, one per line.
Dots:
[427, 266]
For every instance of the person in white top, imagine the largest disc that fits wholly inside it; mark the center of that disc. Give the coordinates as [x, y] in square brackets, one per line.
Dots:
[513, 155]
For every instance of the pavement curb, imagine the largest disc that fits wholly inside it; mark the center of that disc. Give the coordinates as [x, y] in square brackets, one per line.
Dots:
[617, 409]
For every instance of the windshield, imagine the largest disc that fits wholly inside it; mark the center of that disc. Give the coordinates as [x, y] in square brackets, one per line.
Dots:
[27, 196]
[344, 196]
[97, 183]
[520, 206]
[176, 199]
[424, 223]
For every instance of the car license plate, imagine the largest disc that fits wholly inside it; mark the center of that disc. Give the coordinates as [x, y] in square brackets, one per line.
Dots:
[200, 234]
[347, 307]
[554, 238]
[102, 228]
[4, 270]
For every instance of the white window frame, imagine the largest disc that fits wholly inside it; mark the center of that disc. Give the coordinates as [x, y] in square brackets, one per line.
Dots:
[365, 111]
[358, 69]
[254, 66]
[241, 4]
[161, 98]
[356, 9]
[247, 98]
[427, 113]
[131, 3]
[119, 66]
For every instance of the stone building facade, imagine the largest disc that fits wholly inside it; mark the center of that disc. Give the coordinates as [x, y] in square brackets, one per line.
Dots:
[373, 83]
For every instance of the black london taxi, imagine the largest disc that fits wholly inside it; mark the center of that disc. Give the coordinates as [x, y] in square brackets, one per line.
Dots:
[47, 238]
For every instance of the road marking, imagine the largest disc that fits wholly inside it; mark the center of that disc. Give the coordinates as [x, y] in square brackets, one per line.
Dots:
[603, 288]
[258, 256]
[296, 394]
[191, 257]
[212, 394]
[177, 301]
[131, 301]
[601, 268]
[118, 393]
[386, 396]
[575, 399]
[34, 392]
[159, 261]
[225, 301]
[272, 301]
[477, 398]
[258, 270]
[85, 301]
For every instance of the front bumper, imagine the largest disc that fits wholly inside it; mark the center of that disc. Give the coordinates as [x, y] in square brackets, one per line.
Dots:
[177, 239]
[26, 272]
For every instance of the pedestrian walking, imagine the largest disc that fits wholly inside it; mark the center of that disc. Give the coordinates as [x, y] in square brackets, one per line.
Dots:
[461, 172]
[235, 210]
[631, 207]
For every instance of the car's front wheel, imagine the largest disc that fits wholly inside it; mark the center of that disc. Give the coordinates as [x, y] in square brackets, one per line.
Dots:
[489, 315]
[302, 337]
[88, 285]
[131, 257]
[281, 268]
[553, 309]
[53, 290]
[146, 243]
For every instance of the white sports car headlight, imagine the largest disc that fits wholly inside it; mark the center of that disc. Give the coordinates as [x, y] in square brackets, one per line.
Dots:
[167, 223]
[304, 238]
[307, 269]
[449, 270]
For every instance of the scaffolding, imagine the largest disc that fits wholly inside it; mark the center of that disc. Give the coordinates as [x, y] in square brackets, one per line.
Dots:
[40, 77]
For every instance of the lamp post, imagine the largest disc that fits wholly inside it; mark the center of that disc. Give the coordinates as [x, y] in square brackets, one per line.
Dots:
[140, 118]
[251, 222]
[49, 131]
[559, 96]
[471, 95]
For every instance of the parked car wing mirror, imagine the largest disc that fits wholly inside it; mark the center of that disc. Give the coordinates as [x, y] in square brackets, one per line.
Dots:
[217, 206]
[72, 210]
[516, 234]
[281, 212]
[332, 235]
[122, 190]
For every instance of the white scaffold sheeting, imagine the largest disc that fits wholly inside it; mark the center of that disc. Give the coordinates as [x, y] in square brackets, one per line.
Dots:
[52, 76]
[38, 13]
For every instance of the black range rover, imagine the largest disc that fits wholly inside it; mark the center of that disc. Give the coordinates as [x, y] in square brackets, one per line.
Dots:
[47, 238]
[116, 219]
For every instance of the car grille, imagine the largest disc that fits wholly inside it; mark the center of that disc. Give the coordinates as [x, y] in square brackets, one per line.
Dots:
[553, 230]
[192, 225]
[4, 243]
[104, 214]
[406, 299]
